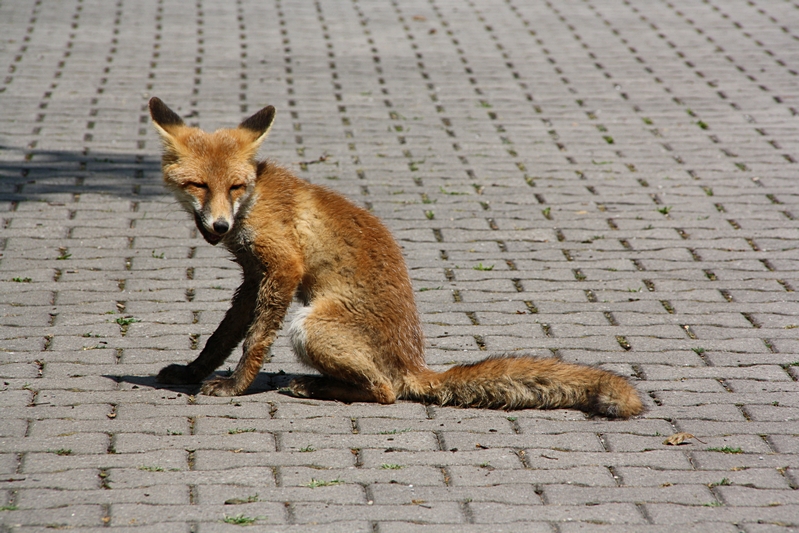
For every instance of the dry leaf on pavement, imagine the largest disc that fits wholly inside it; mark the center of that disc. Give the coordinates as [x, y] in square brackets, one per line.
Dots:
[679, 438]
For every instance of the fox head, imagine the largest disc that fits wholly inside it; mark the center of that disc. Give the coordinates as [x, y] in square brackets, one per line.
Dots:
[212, 174]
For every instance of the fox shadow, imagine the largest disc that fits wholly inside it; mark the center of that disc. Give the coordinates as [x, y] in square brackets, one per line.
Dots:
[264, 382]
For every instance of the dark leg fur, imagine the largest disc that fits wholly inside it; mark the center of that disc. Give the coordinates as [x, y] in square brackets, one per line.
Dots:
[268, 311]
[218, 348]
[325, 388]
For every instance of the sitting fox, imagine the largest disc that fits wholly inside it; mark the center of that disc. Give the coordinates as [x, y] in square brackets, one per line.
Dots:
[359, 326]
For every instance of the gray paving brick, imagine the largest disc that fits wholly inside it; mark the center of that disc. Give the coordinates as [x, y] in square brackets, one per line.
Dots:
[746, 496]
[409, 527]
[151, 528]
[8, 463]
[85, 443]
[774, 413]
[124, 514]
[344, 526]
[784, 443]
[633, 443]
[617, 513]
[570, 527]
[643, 427]
[400, 411]
[769, 527]
[223, 425]
[486, 474]
[585, 442]
[522, 494]
[148, 475]
[385, 426]
[666, 459]
[225, 459]
[431, 512]
[219, 494]
[682, 494]
[407, 475]
[50, 498]
[754, 477]
[783, 514]
[498, 458]
[76, 516]
[50, 463]
[758, 372]
[712, 460]
[402, 441]
[137, 443]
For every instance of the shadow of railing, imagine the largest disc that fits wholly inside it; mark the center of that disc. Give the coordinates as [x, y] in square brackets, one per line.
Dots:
[32, 174]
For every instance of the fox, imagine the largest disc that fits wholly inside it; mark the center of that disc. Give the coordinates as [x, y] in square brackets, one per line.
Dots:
[358, 325]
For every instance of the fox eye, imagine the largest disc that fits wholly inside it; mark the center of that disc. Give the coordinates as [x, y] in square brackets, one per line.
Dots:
[237, 187]
[197, 185]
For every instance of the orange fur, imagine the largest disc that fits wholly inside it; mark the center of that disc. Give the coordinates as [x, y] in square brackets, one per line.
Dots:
[360, 328]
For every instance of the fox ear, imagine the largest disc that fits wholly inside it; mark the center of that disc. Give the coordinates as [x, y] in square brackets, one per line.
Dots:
[260, 123]
[164, 119]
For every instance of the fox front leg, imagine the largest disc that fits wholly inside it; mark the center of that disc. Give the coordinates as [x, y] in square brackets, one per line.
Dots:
[271, 306]
[219, 346]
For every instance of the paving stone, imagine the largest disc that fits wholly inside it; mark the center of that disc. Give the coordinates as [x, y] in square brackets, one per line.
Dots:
[747, 496]
[137, 443]
[570, 495]
[234, 458]
[519, 494]
[754, 477]
[50, 498]
[84, 443]
[585, 442]
[498, 458]
[147, 475]
[407, 475]
[548, 459]
[713, 460]
[399, 526]
[38, 463]
[239, 498]
[618, 513]
[124, 514]
[343, 526]
[572, 527]
[75, 516]
[766, 527]
[783, 515]
[486, 474]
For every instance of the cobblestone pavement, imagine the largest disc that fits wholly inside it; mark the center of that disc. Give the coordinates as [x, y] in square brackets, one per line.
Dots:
[612, 182]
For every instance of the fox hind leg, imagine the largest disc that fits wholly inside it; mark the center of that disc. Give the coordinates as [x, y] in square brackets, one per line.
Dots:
[325, 388]
[322, 340]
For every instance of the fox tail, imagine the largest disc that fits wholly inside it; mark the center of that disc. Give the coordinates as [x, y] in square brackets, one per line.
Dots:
[527, 383]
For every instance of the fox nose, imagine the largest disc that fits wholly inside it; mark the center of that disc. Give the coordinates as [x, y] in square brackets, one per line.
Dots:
[221, 226]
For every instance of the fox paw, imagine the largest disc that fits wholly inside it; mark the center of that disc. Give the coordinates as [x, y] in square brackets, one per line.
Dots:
[220, 387]
[176, 375]
[303, 387]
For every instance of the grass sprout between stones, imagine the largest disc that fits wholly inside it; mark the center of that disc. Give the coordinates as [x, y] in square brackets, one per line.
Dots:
[314, 483]
[726, 449]
[242, 520]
